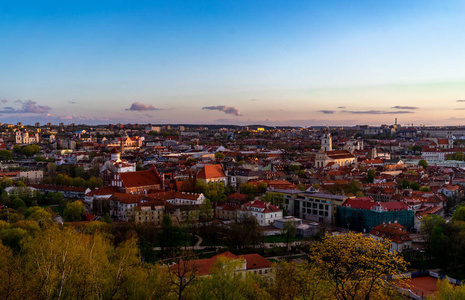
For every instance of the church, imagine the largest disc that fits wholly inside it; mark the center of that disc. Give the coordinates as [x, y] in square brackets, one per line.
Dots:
[327, 155]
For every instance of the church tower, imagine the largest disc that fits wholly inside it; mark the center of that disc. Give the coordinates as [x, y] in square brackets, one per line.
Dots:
[18, 137]
[326, 142]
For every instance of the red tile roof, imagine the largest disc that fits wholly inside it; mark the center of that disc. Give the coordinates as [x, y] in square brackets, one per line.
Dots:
[204, 266]
[211, 171]
[140, 178]
[369, 203]
[395, 232]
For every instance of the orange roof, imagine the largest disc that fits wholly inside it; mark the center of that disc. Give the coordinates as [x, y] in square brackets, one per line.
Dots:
[126, 198]
[140, 178]
[395, 232]
[211, 171]
[204, 266]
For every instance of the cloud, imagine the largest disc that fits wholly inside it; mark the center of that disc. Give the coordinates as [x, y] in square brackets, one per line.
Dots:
[253, 100]
[226, 109]
[27, 107]
[404, 107]
[342, 107]
[460, 108]
[72, 102]
[4, 101]
[139, 106]
[459, 100]
[327, 112]
[377, 112]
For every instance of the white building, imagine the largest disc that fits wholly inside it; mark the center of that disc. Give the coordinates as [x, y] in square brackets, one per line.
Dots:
[265, 212]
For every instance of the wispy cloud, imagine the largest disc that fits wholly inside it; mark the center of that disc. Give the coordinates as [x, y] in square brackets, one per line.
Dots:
[27, 107]
[459, 100]
[72, 102]
[404, 107]
[342, 107]
[377, 112]
[139, 106]
[327, 112]
[4, 101]
[226, 109]
[460, 108]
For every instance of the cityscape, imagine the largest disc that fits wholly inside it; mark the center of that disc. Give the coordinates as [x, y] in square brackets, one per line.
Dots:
[232, 150]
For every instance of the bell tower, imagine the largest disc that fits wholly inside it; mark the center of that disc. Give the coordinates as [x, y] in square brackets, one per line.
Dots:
[326, 142]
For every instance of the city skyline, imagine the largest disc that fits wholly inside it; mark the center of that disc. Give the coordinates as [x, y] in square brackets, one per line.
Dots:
[304, 63]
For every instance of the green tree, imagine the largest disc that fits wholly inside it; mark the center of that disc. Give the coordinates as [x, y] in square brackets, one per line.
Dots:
[371, 174]
[416, 148]
[414, 185]
[288, 232]
[423, 163]
[5, 155]
[459, 214]
[425, 189]
[40, 215]
[219, 155]
[356, 265]
[30, 150]
[17, 149]
[298, 281]
[74, 211]
[226, 282]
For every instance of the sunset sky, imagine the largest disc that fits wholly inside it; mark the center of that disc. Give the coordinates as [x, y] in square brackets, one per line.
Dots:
[302, 63]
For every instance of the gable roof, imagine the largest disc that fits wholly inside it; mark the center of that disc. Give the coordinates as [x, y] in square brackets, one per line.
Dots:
[204, 266]
[211, 171]
[140, 178]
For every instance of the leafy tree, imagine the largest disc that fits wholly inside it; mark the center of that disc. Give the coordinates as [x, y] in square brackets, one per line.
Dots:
[17, 149]
[6, 182]
[459, 214]
[289, 231]
[425, 189]
[356, 265]
[414, 185]
[353, 187]
[225, 282]
[426, 228]
[219, 155]
[74, 211]
[298, 281]
[30, 150]
[5, 155]
[371, 174]
[206, 210]
[17, 203]
[423, 163]
[416, 148]
[447, 290]
[183, 273]
[40, 215]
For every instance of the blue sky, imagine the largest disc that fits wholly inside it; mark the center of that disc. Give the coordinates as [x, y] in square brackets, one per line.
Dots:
[233, 62]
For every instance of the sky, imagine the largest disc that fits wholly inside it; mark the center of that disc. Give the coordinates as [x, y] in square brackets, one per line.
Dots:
[298, 63]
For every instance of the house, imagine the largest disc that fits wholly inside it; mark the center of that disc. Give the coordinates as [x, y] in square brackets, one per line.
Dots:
[179, 198]
[150, 212]
[395, 233]
[122, 205]
[264, 212]
[139, 182]
[97, 199]
[212, 173]
[248, 263]
[227, 211]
